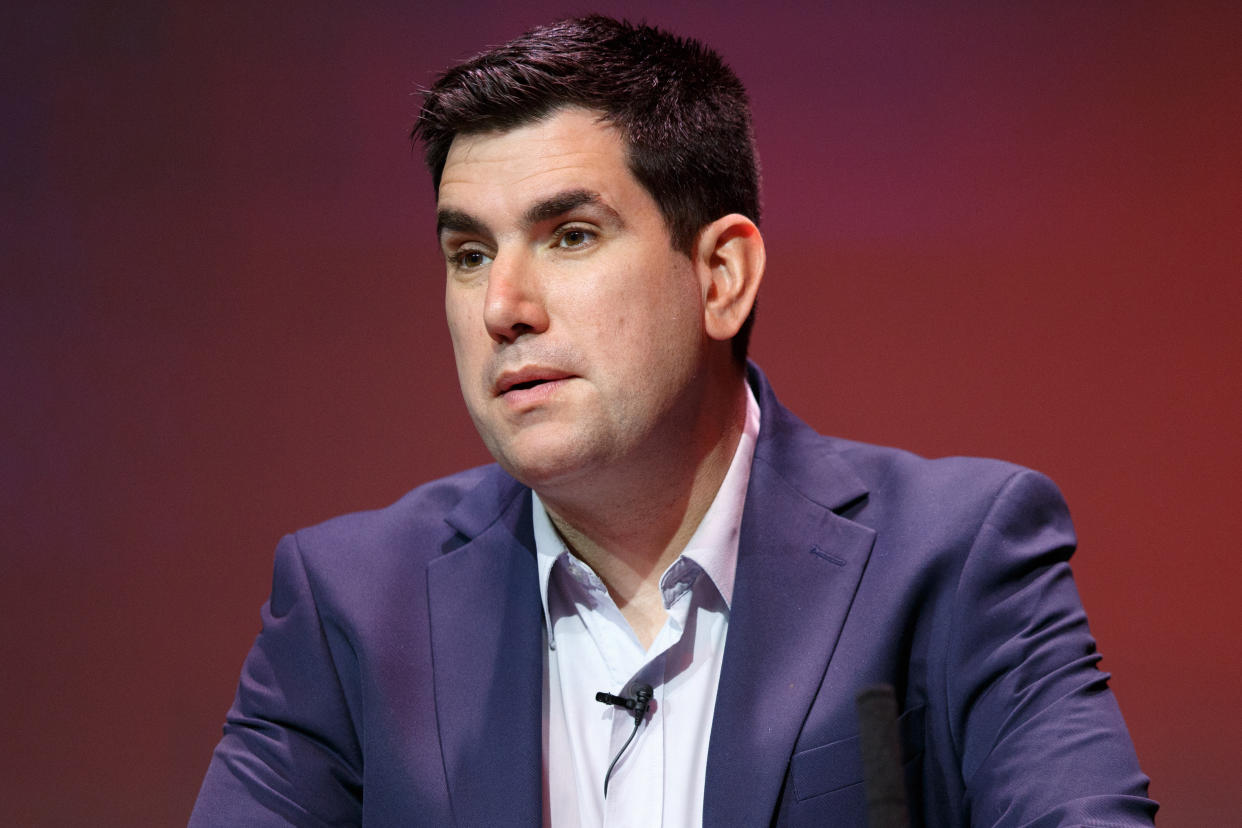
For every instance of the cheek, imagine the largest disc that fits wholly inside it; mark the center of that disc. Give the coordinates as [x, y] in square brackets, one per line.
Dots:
[465, 333]
[461, 320]
[648, 296]
[673, 306]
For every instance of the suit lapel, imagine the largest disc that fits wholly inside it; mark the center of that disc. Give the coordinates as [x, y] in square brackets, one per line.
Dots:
[799, 564]
[486, 645]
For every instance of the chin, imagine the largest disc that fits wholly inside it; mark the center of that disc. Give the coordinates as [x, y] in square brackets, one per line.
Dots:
[539, 473]
[541, 465]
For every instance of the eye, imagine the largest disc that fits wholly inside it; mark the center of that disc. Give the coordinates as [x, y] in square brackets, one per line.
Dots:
[469, 259]
[575, 237]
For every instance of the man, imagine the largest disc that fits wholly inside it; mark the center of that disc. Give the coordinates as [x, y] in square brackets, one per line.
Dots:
[657, 527]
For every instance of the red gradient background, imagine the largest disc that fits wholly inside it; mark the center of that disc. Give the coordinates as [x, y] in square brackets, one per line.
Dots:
[992, 230]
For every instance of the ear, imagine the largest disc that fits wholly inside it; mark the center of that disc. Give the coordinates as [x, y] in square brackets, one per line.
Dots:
[729, 258]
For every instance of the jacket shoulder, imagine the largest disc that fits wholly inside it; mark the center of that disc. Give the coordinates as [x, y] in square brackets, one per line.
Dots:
[415, 526]
[885, 468]
[945, 496]
[861, 477]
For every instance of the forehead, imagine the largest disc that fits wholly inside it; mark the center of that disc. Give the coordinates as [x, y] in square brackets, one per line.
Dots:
[571, 148]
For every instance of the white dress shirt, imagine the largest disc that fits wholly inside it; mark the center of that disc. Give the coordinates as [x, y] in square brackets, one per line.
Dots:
[591, 647]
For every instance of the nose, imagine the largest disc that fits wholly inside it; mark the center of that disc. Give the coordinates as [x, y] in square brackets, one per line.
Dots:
[514, 301]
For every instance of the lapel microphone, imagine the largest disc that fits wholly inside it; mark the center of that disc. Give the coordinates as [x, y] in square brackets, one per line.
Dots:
[637, 705]
[638, 708]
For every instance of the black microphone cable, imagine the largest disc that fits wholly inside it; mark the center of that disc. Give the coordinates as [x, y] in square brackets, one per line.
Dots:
[638, 706]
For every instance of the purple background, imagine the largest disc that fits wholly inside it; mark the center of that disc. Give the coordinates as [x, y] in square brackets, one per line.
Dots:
[992, 229]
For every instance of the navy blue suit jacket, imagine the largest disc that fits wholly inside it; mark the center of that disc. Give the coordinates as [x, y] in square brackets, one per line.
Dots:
[397, 679]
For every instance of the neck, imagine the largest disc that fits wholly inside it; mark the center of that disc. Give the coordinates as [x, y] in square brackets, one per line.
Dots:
[630, 524]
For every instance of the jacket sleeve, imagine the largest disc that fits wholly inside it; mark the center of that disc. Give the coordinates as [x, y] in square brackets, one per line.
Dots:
[290, 752]
[1038, 731]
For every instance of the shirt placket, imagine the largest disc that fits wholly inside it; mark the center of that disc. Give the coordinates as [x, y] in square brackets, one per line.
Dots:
[636, 790]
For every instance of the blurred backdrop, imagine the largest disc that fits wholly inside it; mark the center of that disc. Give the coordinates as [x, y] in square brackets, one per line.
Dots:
[994, 228]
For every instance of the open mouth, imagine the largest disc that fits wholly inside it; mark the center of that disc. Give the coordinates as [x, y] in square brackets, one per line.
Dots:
[528, 378]
[521, 386]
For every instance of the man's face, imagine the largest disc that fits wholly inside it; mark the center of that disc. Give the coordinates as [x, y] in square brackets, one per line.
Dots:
[577, 328]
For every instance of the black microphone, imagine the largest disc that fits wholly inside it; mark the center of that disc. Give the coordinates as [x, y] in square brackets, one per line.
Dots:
[883, 779]
[638, 706]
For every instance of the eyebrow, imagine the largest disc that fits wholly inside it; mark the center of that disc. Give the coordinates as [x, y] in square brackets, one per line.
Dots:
[459, 221]
[562, 203]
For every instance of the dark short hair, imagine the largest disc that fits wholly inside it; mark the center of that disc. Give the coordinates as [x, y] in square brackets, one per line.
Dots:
[682, 112]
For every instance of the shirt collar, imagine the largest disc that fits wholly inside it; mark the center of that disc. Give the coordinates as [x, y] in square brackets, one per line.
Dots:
[713, 546]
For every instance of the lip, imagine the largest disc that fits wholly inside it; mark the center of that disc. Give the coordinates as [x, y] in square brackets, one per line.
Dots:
[528, 378]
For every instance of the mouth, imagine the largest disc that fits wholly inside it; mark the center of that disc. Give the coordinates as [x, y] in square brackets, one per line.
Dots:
[522, 386]
[527, 378]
